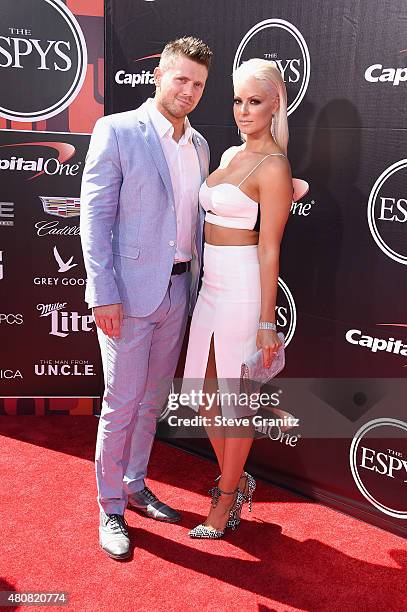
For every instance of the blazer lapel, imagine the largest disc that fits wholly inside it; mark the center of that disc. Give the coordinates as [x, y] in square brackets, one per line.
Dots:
[203, 163]
[198, 242]
[155, 148]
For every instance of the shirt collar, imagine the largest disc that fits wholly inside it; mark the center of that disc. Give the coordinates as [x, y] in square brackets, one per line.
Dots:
[163, 127]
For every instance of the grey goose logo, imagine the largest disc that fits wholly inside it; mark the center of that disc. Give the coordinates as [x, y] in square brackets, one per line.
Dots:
[43, 59]
[63, 266]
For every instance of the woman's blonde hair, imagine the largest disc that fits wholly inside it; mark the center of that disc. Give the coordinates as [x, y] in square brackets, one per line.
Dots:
[268, 72]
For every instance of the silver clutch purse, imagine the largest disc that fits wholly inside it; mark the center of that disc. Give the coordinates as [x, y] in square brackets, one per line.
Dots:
[253, 374]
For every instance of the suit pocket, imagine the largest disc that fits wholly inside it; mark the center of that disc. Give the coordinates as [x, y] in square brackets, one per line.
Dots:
[125, 250]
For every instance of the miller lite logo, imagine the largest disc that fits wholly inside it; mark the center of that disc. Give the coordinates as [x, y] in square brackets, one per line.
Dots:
[43, 59]
[64, 322]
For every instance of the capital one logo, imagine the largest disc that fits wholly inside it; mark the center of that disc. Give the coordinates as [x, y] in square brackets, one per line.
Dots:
[387, 212]
[286, 312]
[377, 73]
[282, 42]
[43, 60]
[143, 76]
[378, 345]
[378, 462]
[39, 164]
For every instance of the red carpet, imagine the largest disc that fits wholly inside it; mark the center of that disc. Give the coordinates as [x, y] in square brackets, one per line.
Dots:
[292, 554]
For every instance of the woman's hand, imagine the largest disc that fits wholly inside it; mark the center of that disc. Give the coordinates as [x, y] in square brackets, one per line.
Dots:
[268, 341]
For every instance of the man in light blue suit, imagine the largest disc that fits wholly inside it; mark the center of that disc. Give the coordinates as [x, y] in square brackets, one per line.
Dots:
[141, 236]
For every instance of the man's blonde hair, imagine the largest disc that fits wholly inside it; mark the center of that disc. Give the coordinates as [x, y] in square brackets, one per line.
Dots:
[187, 46]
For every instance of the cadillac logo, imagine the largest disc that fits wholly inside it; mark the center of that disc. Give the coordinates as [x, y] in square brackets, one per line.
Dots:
[61, 207]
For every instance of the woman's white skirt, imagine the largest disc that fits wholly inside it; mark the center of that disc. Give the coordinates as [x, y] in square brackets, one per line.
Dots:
[228, 308]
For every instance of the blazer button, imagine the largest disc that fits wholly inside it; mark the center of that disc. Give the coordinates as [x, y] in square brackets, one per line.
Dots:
[171, 243]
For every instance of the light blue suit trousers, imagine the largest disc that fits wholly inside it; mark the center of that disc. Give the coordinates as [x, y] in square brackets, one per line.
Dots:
[138, 368]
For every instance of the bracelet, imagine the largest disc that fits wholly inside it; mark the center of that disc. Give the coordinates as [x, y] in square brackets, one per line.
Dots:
[267, 325]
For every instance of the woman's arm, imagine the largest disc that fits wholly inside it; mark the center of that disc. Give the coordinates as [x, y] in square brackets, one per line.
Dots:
[275, 196]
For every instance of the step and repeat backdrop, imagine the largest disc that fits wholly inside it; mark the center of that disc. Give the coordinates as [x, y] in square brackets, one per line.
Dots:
[51, 69]
[341, 299]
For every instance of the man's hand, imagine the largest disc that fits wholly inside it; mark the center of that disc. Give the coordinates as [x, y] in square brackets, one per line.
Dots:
[109, 319]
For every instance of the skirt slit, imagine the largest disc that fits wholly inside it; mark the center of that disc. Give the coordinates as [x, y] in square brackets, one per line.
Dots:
[227, 309]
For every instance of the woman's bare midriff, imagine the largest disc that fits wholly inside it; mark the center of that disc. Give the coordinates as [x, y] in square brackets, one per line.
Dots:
[226, 236]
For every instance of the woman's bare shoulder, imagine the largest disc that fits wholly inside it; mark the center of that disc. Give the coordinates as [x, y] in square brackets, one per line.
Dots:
[275, 163]
[274, 170]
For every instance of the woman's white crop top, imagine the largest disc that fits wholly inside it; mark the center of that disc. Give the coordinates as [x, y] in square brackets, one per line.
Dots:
[229, 205]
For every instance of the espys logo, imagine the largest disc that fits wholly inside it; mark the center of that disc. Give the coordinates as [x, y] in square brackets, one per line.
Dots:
[286, 312]
[387, 212]
[44, 55]
[145, 77]
[50, 166]
[279, 40]
[379, 465]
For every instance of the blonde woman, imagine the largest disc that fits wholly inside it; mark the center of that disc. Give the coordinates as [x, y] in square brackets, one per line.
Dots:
[247, 202]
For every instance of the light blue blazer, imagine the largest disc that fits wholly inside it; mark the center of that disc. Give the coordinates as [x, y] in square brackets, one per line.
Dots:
[128, 223]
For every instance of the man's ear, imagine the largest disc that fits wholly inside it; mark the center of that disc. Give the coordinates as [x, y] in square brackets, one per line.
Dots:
[157, 76]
